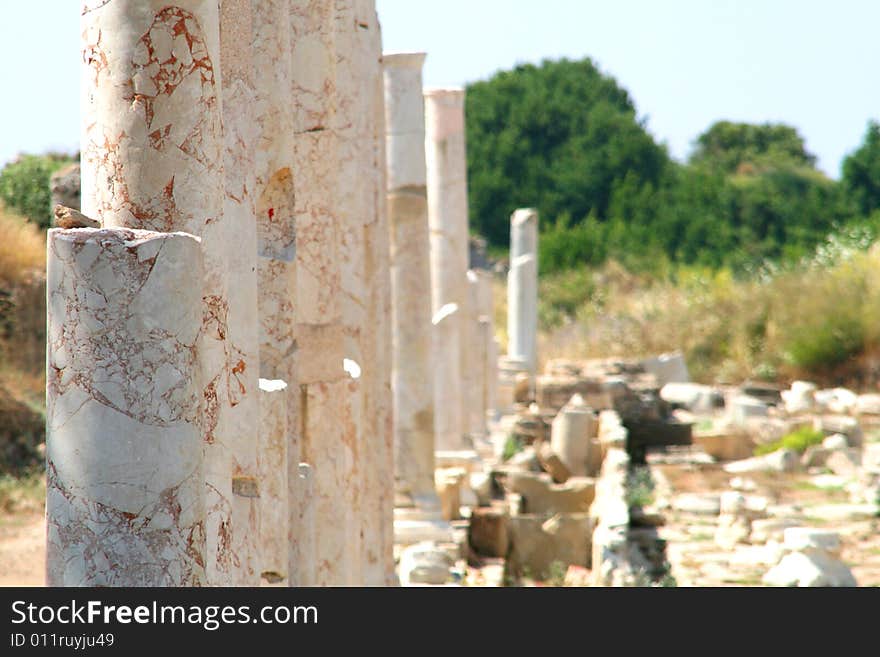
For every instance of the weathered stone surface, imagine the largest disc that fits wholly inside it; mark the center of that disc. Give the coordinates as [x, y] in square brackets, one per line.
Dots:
[425, 563]
[412, 378]
[552, 464]
[571, 435]
[809, 569]
[125, 475]
[488, 533]
[448, 483]
[239, 212]
[668, 368]
[695, 397]
[725, 446]
[448, 419]
[274, 514]
[844, 462]
[537, 542]
[152, 158]
[782, 460]
[541, 495]
[704, 504]
[66, 217]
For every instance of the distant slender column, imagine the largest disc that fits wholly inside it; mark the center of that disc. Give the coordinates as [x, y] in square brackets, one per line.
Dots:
[522, 288]
[276, 227]
[447, 378]
[239, 213]
[152, 158]
[448, 223]
[306, 573]
[319, 332]
[412, 374]
[125, 503]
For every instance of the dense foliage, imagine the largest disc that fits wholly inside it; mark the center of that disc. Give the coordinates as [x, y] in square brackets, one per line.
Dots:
[24, 185]
[564, 138]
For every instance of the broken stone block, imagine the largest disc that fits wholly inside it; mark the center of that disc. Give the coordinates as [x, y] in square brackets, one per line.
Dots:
[836, 400]
[448, 483]
[842, 424]
[725, 446]
[552, 464]
[487, 533]
[667, 368]
[782, 460]
[536, 542]
[732, 529]
[704, 504]
[801, 398]
[481, 484]
[425, 563]
[813, 569]
[868, 404]
[844, 462]
[835, 441]
[541, 495]
[770, 529]
[695, 397]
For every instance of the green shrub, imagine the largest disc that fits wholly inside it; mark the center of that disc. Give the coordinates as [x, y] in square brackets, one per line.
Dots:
[511, 446]
[24, 185]
[798, 440]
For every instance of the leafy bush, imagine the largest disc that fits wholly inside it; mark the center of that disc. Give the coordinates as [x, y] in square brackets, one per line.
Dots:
[798, 440]
[24, 186]
[511, 446]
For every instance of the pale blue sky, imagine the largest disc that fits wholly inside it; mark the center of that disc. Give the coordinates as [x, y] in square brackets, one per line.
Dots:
[686, 63]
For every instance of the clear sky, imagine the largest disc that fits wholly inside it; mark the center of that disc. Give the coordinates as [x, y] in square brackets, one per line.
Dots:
[810, 63]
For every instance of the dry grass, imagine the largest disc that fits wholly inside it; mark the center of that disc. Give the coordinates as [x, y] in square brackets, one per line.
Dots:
[22, 250]
[820, 319]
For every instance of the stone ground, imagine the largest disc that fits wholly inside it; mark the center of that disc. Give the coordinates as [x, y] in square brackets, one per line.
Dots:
[22, 549]
[686, 489]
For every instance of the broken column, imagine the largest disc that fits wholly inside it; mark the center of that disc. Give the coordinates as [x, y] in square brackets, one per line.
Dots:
[412, 374]
[446, 170]
[276, 249]
[152, 158]
[125, 503]
[522, 289]
[319, 327]
[571, 436]
[448, 390]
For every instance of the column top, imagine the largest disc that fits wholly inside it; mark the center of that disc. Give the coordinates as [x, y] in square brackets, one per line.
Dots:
[523, 215]
[439, 92]
[404, 59]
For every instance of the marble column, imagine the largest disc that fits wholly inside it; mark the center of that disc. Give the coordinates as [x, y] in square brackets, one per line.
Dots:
[273, 550]
[412, 374]
[446, 169]
[522, 289]
[365, 284]
[448, 391]
[488, 368]
[125, 502]
[326, 440]
[276, 247]
[306, 572]
[379, 398]
[152, 158]
[239, 213]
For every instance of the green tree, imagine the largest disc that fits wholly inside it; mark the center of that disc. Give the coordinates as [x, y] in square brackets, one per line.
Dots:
[24, 185]
[557, 137]
[861, 172]
[745, 147]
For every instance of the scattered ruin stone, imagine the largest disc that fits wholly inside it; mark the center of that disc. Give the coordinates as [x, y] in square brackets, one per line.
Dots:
[425, 563]
[66, 217]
